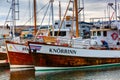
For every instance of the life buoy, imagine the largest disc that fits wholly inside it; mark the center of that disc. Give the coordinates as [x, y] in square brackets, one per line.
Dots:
[114, 36]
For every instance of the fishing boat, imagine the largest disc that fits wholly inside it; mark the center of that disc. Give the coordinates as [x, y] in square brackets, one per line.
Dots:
[18, 55]
[76, 53]
[17, 49]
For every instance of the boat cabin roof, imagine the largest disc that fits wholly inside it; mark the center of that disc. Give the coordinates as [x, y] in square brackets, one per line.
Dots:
[100, 29]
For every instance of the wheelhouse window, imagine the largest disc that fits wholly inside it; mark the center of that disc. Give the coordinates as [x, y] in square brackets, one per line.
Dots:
[61, 33]
[68, 25]
[94, 33]
[83, 26]
[98, 33]
[104, 33]
[56, 23]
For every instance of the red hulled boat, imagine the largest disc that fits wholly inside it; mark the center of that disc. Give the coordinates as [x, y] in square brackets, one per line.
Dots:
[18, 55]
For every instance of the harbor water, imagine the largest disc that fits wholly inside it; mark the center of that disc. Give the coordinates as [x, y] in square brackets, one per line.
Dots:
[31, 74]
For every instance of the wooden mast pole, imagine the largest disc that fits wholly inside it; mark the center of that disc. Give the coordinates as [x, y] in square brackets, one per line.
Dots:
[76, 13]
[35, 19]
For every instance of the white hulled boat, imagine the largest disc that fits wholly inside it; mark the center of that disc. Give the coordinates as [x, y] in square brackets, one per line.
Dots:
[76, 53]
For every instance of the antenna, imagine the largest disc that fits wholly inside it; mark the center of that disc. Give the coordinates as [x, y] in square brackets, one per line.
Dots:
[114, 8]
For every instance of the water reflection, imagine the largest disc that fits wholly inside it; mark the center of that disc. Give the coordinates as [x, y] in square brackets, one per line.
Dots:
[97, 74]
[4, 74]
[28, 74]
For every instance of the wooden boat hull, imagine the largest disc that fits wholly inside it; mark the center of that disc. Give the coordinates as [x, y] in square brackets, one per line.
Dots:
[18, 55]
[56, 62]
[56, 57]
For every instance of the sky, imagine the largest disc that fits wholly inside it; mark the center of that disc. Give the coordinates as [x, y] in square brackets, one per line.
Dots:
[92, 9]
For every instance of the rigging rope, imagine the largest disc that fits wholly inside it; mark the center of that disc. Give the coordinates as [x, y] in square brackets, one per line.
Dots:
[36, 13]
[7, 16]
[42, 20]
[30, 12]
[45, 14]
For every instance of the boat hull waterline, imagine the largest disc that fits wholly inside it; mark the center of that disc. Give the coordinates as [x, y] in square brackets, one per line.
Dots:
[57, 57]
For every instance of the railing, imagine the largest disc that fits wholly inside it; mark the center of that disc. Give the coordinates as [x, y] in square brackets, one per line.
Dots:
[81, 43]
[64, 40]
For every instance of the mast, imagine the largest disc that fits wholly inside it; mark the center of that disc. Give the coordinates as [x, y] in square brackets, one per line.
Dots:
[59, 10]
[116, 9]
[76, 13]
[13, 18]
[35, 19]
[15, 15]
[51, 1]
